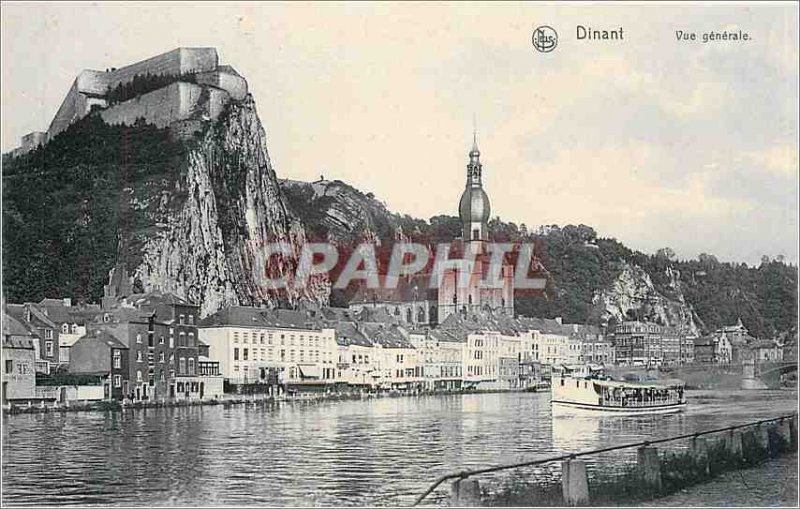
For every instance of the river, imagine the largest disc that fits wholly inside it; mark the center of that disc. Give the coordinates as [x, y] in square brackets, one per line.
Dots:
[381, 451]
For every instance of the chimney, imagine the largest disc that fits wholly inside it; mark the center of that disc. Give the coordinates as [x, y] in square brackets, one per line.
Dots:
[558, 320]
[67, 302]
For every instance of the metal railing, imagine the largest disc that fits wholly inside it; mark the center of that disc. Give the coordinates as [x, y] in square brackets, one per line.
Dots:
[468, 473]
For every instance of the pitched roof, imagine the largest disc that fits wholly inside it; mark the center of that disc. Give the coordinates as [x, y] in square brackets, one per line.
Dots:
[449, 336]
[19, 311]
[157, 298]
[377, 315]
[388, 336]
[349, 333]
[15, 334]
[242, 316]
[102, 335]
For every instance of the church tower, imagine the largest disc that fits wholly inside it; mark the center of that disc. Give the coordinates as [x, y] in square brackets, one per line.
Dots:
[474, 208]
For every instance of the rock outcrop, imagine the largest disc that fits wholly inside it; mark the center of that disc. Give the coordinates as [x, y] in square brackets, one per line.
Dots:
[633, 295]
[209, 232]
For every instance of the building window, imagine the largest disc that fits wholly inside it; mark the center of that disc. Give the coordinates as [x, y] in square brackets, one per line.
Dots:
[139, 338]
[138, 356]
[182, 365]
[191, 366]
[236, 354]
[48, 347]
[172, 341]
[181, 320]
[74, 328]
[139, 376]
[161, 357]
[48, 334]
[64, 329]
[9, 366]
[117, 381]
[235, 337]
[161, 341]
[117, 359]
[172, 361]
[191, 319]
[244, 354]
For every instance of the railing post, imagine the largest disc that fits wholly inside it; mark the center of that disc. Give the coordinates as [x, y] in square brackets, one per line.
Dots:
[574, 484]
[785, 432]
[762, 436]
[793, 430]
[465, 493]
[649, 467]
[733, 443]
[700, 454]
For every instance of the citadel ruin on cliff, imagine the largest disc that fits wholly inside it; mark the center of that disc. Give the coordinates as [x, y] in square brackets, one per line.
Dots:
[191, 86]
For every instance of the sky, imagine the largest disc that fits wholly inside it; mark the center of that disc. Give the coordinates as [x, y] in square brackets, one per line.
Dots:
[649, 140]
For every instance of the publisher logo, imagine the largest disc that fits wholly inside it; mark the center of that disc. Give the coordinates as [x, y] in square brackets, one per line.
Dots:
[545, 39]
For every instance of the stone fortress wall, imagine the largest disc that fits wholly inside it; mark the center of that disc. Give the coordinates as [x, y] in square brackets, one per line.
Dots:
[175, 102]
[166, 105]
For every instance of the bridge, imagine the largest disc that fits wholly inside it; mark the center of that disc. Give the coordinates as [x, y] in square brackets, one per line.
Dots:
[761, 375]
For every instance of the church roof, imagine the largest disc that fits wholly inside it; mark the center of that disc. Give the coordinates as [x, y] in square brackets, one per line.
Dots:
[474, 205]
[409, 289]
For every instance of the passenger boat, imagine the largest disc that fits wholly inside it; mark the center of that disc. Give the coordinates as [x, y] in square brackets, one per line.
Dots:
[599, 393]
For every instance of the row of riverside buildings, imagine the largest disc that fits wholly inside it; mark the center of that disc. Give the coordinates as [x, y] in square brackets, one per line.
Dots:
[153, 347]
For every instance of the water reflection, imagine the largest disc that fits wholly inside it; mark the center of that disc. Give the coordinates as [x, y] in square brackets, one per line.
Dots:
[372, 452]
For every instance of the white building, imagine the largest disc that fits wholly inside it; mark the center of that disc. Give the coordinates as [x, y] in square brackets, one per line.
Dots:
[250, 342]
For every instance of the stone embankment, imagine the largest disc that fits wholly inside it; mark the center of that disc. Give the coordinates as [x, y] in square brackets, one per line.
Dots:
[226, 401]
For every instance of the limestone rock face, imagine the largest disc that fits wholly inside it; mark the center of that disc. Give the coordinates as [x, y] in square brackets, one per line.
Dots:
[633, 293]
[208, 235]
[339, 212]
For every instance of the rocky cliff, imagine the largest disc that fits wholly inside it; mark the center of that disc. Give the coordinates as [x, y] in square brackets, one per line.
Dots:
[209, 231]
[190, 216]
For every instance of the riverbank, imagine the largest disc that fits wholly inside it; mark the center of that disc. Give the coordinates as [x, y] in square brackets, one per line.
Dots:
[704, 469]
[771, 484]
[229, 400]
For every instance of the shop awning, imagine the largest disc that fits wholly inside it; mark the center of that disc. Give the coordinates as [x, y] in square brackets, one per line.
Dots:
[310, 371]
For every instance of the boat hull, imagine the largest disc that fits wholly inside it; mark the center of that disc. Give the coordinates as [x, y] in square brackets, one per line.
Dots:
[619, 410]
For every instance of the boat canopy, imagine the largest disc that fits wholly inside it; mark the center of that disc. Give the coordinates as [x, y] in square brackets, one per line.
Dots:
[663, 384]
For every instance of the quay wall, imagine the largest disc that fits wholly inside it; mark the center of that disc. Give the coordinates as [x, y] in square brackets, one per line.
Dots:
[71, 393]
